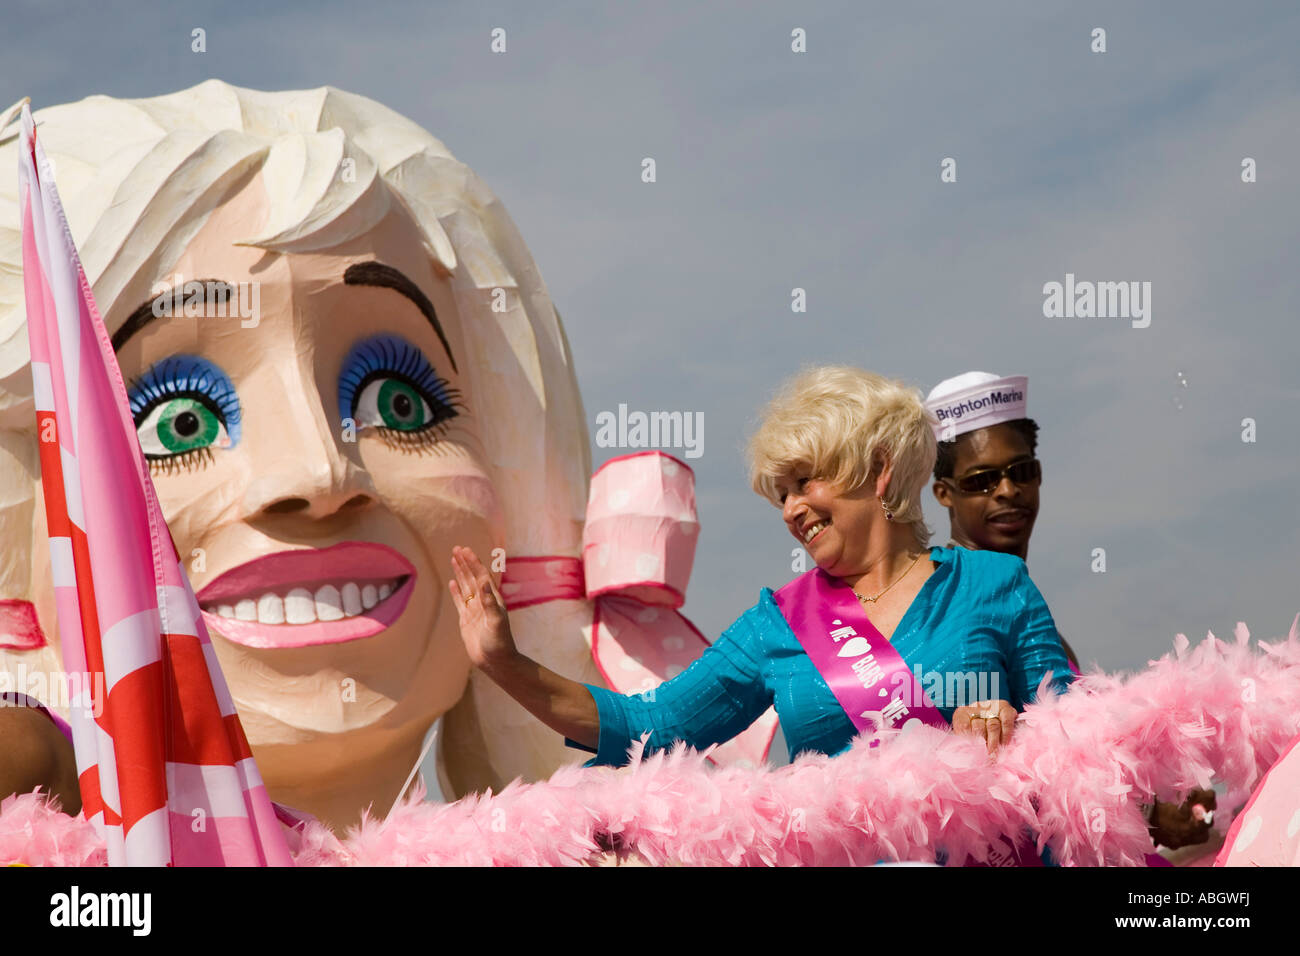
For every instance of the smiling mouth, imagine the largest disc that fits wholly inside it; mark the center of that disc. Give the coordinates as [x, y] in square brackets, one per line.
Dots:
[300, 605]
[310, 596]
[1010, 519]
[815, 530]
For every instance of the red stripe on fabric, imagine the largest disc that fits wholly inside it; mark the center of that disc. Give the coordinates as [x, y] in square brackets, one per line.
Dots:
[135, 720]
[89, 612]
[92, 801]
[235, 734]
[198, 731]
[56, 502]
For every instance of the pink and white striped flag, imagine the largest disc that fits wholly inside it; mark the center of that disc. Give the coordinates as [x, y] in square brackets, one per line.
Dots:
[166, 772]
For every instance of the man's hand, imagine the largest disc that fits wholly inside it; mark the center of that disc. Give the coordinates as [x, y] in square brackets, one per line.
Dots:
[1174, 825]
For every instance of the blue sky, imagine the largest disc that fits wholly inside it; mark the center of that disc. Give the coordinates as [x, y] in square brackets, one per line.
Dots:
[821, 171]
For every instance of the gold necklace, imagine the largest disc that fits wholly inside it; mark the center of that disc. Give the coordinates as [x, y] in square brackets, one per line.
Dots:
[872, 600]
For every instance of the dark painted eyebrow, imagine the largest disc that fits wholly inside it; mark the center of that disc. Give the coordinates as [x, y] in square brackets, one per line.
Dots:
[361, 273]
[142, 315]
[386, 277]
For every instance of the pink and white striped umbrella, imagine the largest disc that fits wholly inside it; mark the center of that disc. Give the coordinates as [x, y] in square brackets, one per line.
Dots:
[165, 769]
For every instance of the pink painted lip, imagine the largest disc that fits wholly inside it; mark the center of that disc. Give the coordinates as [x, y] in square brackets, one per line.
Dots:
[359, 561]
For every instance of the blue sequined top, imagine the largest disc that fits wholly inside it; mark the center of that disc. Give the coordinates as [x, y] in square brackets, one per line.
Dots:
[977, 630]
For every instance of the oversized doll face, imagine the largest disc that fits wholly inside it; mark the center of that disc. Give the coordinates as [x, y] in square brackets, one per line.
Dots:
[317, 547]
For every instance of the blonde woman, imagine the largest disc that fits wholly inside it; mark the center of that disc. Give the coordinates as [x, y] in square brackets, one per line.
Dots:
[845, 455]
[341, 359]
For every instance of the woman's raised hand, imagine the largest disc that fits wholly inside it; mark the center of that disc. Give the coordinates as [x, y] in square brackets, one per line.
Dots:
[563, 705]
[484, 626]
[991, 720]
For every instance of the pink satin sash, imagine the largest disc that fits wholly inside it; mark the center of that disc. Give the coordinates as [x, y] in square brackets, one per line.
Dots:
[859, 665]
[857, 662]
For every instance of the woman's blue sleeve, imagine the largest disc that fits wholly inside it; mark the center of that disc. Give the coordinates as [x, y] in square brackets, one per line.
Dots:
[1035, 644]
[713, 700]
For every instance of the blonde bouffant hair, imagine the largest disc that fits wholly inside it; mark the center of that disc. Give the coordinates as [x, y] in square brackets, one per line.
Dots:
[837, 421]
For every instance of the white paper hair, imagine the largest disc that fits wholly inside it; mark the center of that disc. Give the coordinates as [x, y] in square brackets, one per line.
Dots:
[138, 179]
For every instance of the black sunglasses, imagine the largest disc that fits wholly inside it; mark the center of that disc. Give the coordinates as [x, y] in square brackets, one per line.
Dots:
[984, 481]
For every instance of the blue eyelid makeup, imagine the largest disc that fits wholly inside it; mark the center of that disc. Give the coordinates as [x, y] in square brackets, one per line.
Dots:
[186, 375]
[379, 354]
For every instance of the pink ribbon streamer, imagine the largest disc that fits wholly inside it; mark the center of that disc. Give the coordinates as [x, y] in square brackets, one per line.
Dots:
[638, 549]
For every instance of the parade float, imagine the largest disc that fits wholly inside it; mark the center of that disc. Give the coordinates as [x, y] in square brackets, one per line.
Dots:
[287, 538]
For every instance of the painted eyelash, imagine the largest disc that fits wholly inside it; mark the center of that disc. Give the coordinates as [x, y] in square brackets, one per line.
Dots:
[184, 375]
[387, 356]
[190, 460]
[411, 442]
[398, 358]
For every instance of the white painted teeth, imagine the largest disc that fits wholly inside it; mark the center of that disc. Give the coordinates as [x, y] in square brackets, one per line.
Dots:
[329, 605]
[351, 599]
[301, 606]
[270, 609]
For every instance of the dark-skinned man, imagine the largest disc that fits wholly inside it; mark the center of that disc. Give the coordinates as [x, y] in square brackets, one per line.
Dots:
[988, 477]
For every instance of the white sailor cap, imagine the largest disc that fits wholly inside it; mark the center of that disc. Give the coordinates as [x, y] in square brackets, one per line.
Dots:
[976, 400]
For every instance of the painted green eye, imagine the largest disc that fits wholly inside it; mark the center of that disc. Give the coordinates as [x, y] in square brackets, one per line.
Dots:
[393, 403]
[180, 425]
[387, 385]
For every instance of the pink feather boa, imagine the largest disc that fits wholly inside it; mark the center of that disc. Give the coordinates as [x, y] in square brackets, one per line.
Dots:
[1075, 772]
